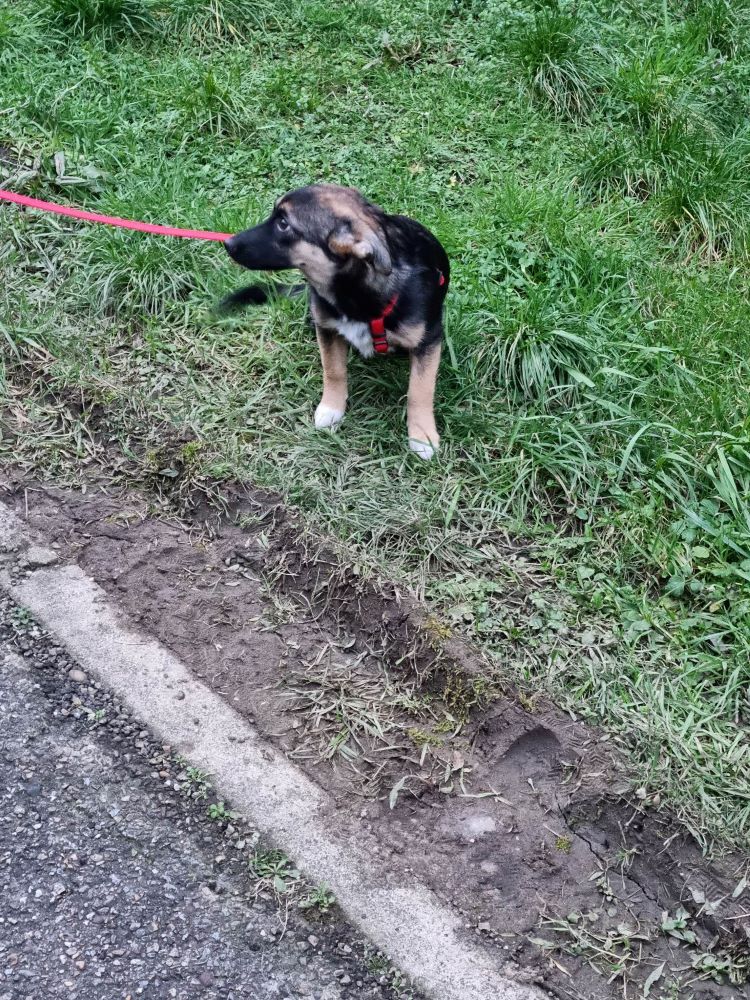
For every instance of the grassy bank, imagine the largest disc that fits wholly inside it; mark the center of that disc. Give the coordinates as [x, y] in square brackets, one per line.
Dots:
[589, 174]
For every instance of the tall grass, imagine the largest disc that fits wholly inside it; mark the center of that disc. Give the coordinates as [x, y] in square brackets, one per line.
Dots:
[107, 17]
[552, 48]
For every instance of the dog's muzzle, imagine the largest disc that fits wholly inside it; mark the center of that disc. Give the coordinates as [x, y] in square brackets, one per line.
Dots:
[258, 249]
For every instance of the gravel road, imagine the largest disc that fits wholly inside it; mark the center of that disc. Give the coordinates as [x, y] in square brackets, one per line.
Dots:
[114, 881]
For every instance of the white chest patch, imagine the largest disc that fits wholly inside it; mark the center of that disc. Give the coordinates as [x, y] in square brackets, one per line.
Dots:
[358, 335]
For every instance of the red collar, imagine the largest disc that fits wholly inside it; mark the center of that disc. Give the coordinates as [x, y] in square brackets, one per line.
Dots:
[377, 328]
[377, 325]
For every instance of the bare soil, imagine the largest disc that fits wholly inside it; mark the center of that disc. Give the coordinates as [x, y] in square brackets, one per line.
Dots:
[517, 814]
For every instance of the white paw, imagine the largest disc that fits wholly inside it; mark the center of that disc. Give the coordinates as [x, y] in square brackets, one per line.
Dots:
[326, 418]
[424, 449]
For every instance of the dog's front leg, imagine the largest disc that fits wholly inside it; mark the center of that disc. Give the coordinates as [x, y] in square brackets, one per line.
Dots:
[424, 439]
[334, 351]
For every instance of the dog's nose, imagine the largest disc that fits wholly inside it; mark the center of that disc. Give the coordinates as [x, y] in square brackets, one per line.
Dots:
[230, 245]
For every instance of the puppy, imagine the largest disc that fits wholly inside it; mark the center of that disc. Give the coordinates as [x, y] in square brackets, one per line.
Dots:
[376, 282]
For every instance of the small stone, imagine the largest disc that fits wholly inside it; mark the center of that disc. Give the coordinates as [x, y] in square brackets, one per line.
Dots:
[38, 555]
[206, 979]
[77, 675]
[58, 889]
[313, 940]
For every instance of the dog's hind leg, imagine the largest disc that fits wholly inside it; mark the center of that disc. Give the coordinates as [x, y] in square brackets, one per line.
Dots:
[334, 352]
[424, 439]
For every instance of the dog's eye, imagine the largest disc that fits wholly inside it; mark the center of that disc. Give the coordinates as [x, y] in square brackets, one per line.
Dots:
[281, 224]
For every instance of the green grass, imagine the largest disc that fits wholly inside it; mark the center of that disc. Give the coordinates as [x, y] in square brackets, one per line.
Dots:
[586, 167]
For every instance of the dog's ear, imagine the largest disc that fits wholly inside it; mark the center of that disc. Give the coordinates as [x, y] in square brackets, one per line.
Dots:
[364, 242]
[375, 249]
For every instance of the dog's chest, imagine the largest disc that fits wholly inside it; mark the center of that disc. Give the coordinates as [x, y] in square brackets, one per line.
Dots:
[358, 335]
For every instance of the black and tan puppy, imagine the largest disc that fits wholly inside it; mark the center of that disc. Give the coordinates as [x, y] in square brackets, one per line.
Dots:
[376, 281]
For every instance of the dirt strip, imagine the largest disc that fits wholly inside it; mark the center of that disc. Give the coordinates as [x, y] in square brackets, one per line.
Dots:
[516, 816]
[403, 918]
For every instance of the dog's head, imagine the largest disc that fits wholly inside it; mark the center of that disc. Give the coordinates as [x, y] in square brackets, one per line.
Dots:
[322, 229]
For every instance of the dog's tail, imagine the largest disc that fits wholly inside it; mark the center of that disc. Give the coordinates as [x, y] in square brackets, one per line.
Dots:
[256, 295]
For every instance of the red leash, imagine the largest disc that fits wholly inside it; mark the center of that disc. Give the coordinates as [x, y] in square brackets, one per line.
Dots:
[111, 220]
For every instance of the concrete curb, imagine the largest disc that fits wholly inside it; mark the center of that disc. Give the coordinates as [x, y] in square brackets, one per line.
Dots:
[408, 922]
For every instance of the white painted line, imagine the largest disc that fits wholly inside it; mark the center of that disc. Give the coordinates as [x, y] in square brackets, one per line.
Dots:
[407, 921]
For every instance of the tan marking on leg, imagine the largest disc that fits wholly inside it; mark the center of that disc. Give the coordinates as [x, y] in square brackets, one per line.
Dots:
[408, 335]
[317, 317]
[420, 417]
[334, 353]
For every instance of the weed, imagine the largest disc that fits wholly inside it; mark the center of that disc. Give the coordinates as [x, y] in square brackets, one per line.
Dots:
[195, 783]
[273, 871]
[381, 966]
[439, 631]
[21, 617]
[615, 953]
[319, 900]
[678, 926]
[218, 812]
[461, 695]
[420, 738]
